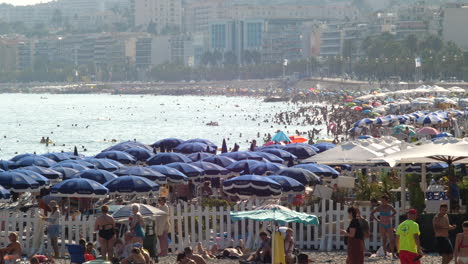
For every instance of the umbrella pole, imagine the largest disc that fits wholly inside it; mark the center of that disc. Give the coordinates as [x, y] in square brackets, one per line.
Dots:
[403, 189]
[423, 178]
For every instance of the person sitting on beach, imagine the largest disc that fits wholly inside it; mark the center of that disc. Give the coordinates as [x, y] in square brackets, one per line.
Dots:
[118, 249]
[203, 252]
[136, 257]
[127, 247]
[205, 190]
[182, 259]
[289, 246]
[13, 250]
[195, 257]
[90, 252]
[263, 253]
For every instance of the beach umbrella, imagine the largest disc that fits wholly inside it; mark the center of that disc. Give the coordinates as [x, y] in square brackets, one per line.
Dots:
[79, 187]
[43, 181]
[301, 175]
[131, 184]
[199, 156]
[211, 170]
[168, 143]
[49, 173]
[242, 155]
[128, 144]
[20, 156]
[280, 153]
[5, 195]
[75, 166]
[86, 164]
[191, 171]
[262, 167]
[324, 146]
[224, 148]
[247, 186]
[298, 139]
[97, 175]
[319, 169]
[35, 160]
[301, 151]
[443, 134]
[201, 140]
[367, 111]
[364, 137]
[402, 128]
[18, 182]
[430, 120]
[239, 166]
[67, 173]
[7, 164]
[280, 136]
[120, 156]
[428, 131]
[166, 158]
[270, 157]
[138, 153]
[382, 121]
[288, 185]
[172, 175]
[144, 172]
[57, 156]
[363, 122]
[105, 164]
[146, 210]
[192, 147]
[219, 160]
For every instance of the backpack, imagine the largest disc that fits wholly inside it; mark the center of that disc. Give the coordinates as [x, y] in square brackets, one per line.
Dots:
[365, 227]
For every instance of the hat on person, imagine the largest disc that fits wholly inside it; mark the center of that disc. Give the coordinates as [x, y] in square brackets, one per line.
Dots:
[413, 211]
[52, 204]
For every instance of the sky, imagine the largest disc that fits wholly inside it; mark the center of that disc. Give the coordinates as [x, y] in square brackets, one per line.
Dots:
[23, 2]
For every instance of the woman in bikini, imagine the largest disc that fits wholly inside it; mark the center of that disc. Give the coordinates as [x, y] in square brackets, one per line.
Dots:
[105, 226]
[461, 246]
[386, 214]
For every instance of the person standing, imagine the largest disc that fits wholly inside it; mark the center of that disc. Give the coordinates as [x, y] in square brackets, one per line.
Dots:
[355, 238]
[442, 226]
[386, 214]
[105, 225]
[407, 240]
[137, 224]
[54, 227]
[461, 246]
[163, 226]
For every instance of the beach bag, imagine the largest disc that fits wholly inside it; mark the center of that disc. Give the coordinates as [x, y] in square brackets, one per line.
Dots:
[365, 227]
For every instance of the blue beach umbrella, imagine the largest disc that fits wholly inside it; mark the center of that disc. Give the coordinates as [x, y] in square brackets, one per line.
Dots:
[20, 156]
[97, 175]
[319, 169]
[5, 195]
[280, 153]
[7, 164]
[247, 186]
[242, 155]
[35, 160]
[120, 156]
[211, 169]
[280, 136]
[144, 172]
[443, 134]
[430, 120]
[131, 184]
[220, 160]
[301, 151]
[105, 164]
[301, 175]
[363, 122]
[18, 182]
[67, 173]
[239, 166]
[191, 171]
[43, 181]
[382, 121]
[138, 153]
[79, 187]
[288, 185]
[324, 146]
[270, 157]
[201, 140]
[199, 156]
[72, 165]
[166, 158]
[192, 147]
[86, 164]
[168, 143]
[128, 144]
[263, 167]
[49, 173]
[364, 137]
[57, 156]
[173, 175]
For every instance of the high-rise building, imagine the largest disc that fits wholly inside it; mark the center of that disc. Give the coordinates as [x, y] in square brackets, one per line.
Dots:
[455, 24]
[198, 15]
[164, 15]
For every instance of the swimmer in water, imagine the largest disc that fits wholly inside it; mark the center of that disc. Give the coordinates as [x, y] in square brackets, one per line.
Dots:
[43, 140]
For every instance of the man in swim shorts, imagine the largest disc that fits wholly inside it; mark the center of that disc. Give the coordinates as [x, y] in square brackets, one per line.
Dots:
[442, 226]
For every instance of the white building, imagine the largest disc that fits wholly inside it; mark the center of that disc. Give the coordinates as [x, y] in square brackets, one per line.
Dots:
[165, 14]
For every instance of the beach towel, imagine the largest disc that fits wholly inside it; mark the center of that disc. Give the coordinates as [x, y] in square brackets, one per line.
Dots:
[278, 249]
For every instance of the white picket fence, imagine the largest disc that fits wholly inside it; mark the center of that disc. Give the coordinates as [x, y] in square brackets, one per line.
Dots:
[191, 224]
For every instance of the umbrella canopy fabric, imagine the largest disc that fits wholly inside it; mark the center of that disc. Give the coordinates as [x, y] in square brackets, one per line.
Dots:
[97, 175]
[301, 175]
[57, 156]
[5, 195]
[428, 131]
[79, 187]
[288, 185]
[275, 215]
[319, 169]
[270, 157]
[80, 162]
[239, 166]
[145, 210]
[43, 181]
[105, 164]
[430, 120]
[263, 167]
[363, 122]
[252, 186]
[280, 153]
[197, 156]
[192, 147]
[166, 158]
[173, 175]
[131, 185]
[67, 173]
[346, 153]
[211, 169]
[301, 151]
[168, 143]
[140, 154]
[144, 172]
[324, 146]
[222, 161]
[49, 173]
[128, 144]
[20, 156]
[7, 165]
[280, 136]
[35, 160]
[120, 156]
[18, 182]
[298, 139]
[443, 134]
[191, 171]
[242, 155]
[72, 165]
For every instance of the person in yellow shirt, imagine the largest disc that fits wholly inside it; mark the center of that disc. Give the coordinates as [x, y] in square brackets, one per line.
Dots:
[407, 240]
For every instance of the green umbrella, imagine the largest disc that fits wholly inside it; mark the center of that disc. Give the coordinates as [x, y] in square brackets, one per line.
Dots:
[275, 214]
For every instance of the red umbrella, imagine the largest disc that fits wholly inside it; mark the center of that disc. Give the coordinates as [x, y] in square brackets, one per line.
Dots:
[428, 131]
[298, 139]
[357, 108]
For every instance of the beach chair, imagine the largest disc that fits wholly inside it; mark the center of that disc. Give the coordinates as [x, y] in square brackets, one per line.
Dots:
[76, 253]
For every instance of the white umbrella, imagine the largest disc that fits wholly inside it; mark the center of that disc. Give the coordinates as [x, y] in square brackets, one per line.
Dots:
[347, 153]
[145, 210]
